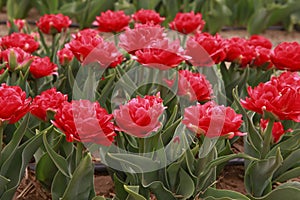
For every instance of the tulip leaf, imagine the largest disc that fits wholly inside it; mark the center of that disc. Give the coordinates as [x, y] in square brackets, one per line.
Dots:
[99, 198]
[17, 164]
[45, 170]
[10, 149]
[81, 183]
[133, 192]
[3, 182]
[290, 193]
[255, 139]
[285, 176]
[59, 185]
[212, 193]
[60, 162]
[186, 185]
[259, 174]
[160, 191]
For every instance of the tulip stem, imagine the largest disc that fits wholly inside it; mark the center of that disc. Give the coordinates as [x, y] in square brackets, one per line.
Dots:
[1, 136]
[267, 138]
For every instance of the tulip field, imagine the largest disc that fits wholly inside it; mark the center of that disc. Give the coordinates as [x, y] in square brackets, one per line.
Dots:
[158, 101]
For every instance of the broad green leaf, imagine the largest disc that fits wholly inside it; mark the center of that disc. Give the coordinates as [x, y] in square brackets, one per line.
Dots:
[186, 185]
[59, 185]
[3, 182]
[287, 175]
[45, 170]
[133, 192]
[60, 162]
[259, 174]
[289, 193]
[160, 191]
[17, 164]
[99, 198]
[81, 184]
[212, 193]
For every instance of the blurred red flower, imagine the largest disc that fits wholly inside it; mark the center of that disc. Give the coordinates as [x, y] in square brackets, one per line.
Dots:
[65, 56]
[52, 24]
[140, 116]
[21, 40]
[239, 51]
[142, 36]
[85, 121]
[147, 16]
[41, 67]
[48, 100]
[277, 130]
[212, 120]
[112, 21]
[263, 56]
[161, 54]
[205, 49]
[286, 56]
[19, 23]
[187, 22]
[14, 104]
[280, 99]
[258, 40]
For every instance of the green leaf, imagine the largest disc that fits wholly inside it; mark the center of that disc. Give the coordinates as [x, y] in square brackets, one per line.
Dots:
[17, 164]
[3, 182]
[81, 184]
[133, 192]
[99, 198]
[160, 191]
[45, 170]
[287, 175]
[60, 162]
[59, 185]
[259, 174]
[186, 185]
[212, 193]
[10, 149]
[289, 193]
[18, 9]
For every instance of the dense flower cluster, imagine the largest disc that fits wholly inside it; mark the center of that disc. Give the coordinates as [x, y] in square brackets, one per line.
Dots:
[21, 40]
[272, 95]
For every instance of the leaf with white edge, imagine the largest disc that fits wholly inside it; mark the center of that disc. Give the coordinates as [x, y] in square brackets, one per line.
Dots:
[60, 162]
[212, 193]
[133, 192]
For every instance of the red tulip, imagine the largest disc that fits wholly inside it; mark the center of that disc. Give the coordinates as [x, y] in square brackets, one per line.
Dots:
[205, 49]
[112, 21]
[41, 67]
[212, 120]
[14, 104]
[16, 58]
[85, 121]
[187, 22]
[19, 23]
[277, 130]
[65, 56]
[258, 40]
[286, 56]
[51, 24]
[48, 100]
[147, 16]
[21, 40]
[140, 116]
[277, 97]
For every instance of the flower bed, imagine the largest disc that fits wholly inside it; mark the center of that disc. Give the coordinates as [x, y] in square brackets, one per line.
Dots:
[161, 108]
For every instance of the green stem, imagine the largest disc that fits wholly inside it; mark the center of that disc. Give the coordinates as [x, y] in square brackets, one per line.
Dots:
[79, 150]
[267, 138]
[1, 136]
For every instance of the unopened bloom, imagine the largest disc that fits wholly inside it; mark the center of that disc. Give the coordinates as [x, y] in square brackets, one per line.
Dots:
[65, 56]
[277, 130]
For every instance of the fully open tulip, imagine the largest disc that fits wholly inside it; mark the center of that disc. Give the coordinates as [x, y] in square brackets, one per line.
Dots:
[187, 22]
[14, 104]
[277, 97]
[112, 21]
[147, 16]
[286, 56]
[213, 120]
[41, 67]
[21, 40]
[140, 116]
[51, 23]
[49, 100]
[85, 121]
